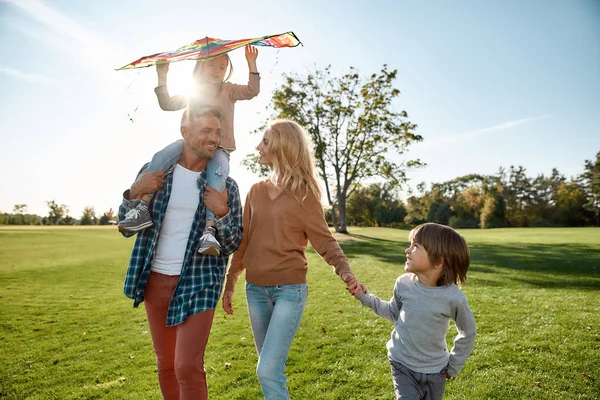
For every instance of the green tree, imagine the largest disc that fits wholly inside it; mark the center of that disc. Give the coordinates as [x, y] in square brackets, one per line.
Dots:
[353, 126]
[88, 217]
[20, 208]
[107, 217]
[57, 213]
[590, 179]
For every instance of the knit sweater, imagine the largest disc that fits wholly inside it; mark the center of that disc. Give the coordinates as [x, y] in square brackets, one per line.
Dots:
[421, 315]
[276, 234]
[223, 101]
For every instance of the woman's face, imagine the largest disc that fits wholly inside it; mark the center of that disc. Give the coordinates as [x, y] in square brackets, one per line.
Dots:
[213, 71]
[263, 149]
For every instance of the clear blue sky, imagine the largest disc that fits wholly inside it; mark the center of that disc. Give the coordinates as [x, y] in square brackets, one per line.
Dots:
[489, 84]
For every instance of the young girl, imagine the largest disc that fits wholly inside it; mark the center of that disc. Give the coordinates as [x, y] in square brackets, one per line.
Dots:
[280, 216]
[213, 90]
[424, 301]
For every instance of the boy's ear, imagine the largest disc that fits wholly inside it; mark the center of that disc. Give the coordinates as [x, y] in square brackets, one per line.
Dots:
[440, 264]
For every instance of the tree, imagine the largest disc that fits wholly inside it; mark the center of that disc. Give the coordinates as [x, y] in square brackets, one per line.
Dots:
[353, 126]
[56, 213]
[20, 208]
[88, 217]
[107, 217]
[590, 179]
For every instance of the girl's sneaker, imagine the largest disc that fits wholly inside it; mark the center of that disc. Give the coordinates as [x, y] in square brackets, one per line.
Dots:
[136, 219]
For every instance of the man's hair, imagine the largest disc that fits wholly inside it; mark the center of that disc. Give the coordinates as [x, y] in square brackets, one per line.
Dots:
[444, 245]
[199, 110]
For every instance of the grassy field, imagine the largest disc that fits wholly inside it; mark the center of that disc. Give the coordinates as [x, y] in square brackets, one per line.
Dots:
[67, 332]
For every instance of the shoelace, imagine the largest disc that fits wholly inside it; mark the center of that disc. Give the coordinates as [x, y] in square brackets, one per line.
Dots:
[133, 213]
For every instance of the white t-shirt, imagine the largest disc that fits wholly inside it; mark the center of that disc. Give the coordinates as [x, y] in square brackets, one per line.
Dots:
[177, 223]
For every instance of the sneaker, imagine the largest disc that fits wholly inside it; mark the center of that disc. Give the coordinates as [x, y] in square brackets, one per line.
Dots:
[209, 244]
[136, 219]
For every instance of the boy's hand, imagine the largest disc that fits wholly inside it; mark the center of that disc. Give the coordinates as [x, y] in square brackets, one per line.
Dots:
[352, 285]
[162, 69]
[227, 302]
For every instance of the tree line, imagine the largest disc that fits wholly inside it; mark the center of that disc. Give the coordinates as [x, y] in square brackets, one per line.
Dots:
[510, 198]
[58, 214]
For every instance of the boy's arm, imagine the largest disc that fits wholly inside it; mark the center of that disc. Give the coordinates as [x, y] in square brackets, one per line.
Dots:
[464, 341]
[387, 309]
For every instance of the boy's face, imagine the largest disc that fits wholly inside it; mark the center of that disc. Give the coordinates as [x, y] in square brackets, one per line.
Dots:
[417, 259]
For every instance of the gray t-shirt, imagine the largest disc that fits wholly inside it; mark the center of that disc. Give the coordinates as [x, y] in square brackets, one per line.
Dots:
[422, 318]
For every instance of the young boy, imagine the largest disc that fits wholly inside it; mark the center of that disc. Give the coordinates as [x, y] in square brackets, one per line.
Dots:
[424, 300]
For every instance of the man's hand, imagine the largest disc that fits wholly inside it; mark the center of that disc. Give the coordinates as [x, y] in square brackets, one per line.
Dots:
[216, 201]
[227, 302]
[146, 183]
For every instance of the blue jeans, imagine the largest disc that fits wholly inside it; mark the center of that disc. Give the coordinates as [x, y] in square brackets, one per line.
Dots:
[217, 169]
[275, 315]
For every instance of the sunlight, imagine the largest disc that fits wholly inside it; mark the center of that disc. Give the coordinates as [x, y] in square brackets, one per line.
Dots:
[179, 79]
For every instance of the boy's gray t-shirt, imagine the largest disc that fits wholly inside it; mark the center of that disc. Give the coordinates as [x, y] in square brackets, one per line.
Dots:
[422, 316]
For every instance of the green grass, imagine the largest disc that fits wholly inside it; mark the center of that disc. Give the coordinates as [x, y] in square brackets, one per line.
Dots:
[67, 332]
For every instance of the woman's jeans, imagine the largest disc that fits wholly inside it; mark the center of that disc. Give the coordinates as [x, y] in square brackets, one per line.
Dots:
[275, 315]
[217, 169]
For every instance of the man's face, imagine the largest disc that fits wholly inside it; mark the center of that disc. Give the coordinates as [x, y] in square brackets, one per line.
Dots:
[202, 135]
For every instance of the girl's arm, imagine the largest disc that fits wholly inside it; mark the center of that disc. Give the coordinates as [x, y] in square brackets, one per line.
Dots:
[247, 92]
[165, 101]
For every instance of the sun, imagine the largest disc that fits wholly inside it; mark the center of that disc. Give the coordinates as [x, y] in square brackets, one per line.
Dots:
[179, 78]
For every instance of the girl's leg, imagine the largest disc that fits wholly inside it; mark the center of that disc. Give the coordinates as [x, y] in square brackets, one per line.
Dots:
[139, 217]
[288, 307]
[157, 297]
[192, 336]
[217, 172]
[406, 382]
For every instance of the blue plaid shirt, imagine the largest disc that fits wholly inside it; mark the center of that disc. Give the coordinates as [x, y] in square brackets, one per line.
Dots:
[202, 276]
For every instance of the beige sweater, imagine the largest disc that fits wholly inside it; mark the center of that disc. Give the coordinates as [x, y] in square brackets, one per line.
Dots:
[276, 233]
[223, 101]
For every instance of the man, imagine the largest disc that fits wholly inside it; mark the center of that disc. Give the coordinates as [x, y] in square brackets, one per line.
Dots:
[181, 287]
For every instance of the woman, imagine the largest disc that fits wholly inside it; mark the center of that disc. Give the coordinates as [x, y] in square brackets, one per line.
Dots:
[281, 215]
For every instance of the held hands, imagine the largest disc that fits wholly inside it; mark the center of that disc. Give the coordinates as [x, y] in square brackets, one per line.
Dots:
[352, 285]
[227, 302]
[216, 201]
[146, 183]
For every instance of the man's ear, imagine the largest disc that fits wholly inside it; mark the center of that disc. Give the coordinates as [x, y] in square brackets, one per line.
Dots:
[183, 130]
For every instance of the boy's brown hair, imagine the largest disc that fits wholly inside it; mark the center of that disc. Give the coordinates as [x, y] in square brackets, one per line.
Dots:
[444, 245]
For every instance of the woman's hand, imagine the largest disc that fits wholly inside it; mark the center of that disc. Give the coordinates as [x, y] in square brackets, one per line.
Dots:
[352, 285]
[227, 302]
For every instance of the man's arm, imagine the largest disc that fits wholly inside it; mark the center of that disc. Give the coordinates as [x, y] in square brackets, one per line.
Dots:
[227, 207]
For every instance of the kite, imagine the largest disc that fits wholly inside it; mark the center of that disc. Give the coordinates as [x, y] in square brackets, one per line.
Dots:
[207, 48]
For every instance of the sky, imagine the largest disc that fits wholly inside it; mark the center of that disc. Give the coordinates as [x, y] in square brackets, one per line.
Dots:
[489, 84]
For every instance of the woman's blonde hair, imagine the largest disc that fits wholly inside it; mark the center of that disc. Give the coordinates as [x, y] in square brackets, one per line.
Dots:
[200, 67]
[293, 159]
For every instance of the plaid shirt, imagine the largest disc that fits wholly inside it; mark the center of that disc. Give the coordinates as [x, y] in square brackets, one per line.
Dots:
[202, 276]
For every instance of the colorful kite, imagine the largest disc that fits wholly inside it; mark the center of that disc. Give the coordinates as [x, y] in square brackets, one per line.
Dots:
[207, 48]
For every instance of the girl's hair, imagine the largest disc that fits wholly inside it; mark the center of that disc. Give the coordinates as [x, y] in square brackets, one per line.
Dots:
[293, 160]
[200, 67]
[444, 245]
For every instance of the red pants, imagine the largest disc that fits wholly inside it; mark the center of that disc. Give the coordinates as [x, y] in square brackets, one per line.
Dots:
[179, 349]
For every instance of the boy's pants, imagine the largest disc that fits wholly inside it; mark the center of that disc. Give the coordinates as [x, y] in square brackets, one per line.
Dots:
[411, 385]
